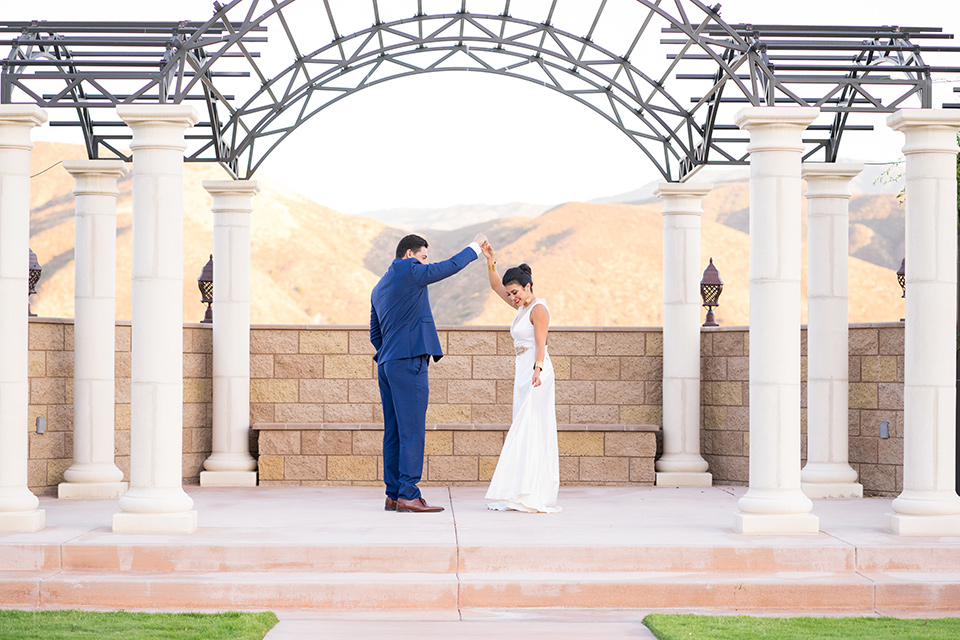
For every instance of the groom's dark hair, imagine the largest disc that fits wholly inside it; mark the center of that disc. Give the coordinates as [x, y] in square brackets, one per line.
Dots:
[411, 242]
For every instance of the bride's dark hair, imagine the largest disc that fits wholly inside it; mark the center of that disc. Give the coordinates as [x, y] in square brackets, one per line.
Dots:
[522, 275]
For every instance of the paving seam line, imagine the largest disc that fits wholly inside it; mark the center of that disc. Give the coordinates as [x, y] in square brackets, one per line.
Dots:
[456, 542]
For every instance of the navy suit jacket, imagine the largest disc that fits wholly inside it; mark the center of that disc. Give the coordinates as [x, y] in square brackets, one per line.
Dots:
[401, 322]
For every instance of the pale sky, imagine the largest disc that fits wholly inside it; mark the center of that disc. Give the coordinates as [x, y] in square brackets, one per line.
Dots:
[461, 138]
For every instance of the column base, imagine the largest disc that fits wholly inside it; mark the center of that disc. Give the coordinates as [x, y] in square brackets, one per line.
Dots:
[902, 525]
[23, 521]
[125, 522]
[832, 490]
[91, 490]
[776, 523]
[684, 479]
[228, 478]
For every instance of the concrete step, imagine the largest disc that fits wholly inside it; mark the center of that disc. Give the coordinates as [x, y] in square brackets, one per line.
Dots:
[98, 554]
[259, 556]
[786, 591]
[280, 590]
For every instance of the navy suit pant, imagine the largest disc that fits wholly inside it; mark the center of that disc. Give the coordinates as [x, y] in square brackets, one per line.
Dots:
[404, 391]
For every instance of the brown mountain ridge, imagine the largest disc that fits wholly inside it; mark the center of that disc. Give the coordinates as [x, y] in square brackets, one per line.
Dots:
[596, 264]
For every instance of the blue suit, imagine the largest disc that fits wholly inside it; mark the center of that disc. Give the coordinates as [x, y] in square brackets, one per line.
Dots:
[404, 334]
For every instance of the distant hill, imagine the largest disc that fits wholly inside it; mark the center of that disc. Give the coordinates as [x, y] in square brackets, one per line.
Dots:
[595, 263]
[450, 218]
[306, 259]
[601, 264]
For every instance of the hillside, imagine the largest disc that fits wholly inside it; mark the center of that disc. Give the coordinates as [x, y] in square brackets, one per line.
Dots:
[601, 264]
[596, 263]
[304, 256]
[450, 218]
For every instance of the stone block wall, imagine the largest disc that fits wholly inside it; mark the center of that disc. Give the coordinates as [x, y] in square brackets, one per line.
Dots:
[51, 396]
[461, 454]
[608, 382]
[316, 403]
[876, 396]
[324, 375]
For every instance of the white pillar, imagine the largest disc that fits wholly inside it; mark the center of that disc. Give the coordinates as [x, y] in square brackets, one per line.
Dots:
[93, 473]
[929, 504]
[774, 502]
[18, 506]
[681, 464]
[230, 463]
[156, 501]
[828, 473]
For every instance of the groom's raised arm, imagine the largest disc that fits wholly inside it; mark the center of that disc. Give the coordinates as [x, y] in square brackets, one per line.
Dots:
[426, 274]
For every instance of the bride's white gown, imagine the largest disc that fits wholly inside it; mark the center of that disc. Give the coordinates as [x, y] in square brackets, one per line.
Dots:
[527, 477]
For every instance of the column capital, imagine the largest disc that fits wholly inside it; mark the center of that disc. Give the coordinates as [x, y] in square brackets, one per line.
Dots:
[175, 114]
[28, 114]
[775, 128]
[96, 177]
[682, 189]
[682, 198]
[16, 121]
[158, 126]
[906, 118]
[927, 130]
[99, 167]
[829, 179]
[765, 116]
[231, 187]
[231, 196]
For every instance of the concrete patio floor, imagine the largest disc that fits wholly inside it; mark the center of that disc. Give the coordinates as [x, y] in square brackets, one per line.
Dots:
[332, 563]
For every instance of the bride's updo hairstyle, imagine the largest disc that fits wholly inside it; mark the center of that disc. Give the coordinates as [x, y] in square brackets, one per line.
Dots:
[522, 275]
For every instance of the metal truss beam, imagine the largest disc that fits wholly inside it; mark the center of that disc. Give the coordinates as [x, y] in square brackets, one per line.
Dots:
[847, 71]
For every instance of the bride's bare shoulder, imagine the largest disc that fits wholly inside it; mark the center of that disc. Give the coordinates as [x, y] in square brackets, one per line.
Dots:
[540, 309]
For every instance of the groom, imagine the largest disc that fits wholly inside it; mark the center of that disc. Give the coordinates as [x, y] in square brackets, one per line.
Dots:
[405, 337]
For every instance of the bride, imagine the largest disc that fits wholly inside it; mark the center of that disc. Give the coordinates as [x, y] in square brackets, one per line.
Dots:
[527, 477]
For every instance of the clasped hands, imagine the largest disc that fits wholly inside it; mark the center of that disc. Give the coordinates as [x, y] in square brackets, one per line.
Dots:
[485, 247]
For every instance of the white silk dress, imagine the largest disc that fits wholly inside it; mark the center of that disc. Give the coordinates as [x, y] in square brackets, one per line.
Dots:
[527, 477]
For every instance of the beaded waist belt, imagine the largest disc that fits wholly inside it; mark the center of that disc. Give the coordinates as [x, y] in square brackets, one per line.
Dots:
[521, 350]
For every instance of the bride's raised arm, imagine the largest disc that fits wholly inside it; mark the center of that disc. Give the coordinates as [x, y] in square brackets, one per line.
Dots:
[495, 283]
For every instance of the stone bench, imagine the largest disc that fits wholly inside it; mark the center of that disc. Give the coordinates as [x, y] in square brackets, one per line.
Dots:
[326, 454]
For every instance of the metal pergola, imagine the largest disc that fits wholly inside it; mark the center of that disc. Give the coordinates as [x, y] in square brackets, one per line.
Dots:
[678, 108]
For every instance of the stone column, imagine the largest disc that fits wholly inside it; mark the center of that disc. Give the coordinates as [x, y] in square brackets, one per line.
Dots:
[828, 473]
[774, 502]
[231, 464]
[18, 506]
[93, 473]
[156, 501]
[681, 464]
[929, 504]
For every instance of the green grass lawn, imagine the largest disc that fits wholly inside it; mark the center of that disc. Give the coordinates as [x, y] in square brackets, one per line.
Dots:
[687, 627]
[97, 625]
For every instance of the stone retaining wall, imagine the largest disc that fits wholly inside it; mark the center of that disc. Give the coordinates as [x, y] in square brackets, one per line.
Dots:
[876, 396]
[608, 380]
[458, 454]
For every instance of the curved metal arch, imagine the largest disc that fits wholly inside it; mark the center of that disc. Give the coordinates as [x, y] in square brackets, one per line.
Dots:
[630, 98]
[659, 130]
[252, 168]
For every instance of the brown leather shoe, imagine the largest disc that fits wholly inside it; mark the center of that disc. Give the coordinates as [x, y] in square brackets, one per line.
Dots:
[390, 504]
[417, 505]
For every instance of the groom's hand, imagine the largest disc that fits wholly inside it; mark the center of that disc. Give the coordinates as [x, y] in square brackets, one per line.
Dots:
[480, 239]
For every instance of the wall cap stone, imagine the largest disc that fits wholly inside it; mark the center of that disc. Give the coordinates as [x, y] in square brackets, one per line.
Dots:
[375, 426]
[349, 327]
[443, 327]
